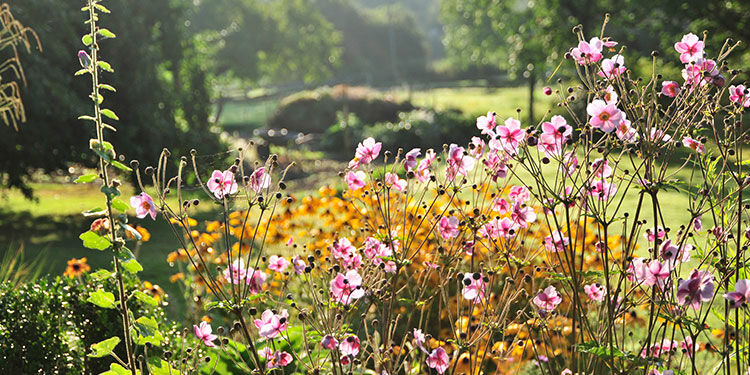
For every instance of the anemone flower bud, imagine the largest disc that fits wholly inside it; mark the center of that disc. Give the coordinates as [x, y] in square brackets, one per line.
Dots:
[84, 59]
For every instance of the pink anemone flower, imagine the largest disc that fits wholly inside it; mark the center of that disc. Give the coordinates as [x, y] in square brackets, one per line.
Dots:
[329, 342]
[739, 95]
[670, 88]
[350, 346]
[367, 151]
[144, 205]
[347, 288]
[604, 116]
[438, 360]
[690, 48]
[410, 159]
[510, 135]
[699, 287]
[204, 333]
[595, 292]
[222, 184]
[271, 325]
[458, 163]
[355, 180]
[474, 288]
[395, 183]
[260, 180]
[741, 294]
[612, 67]
[588, 52]
[548, 299]
[278, 264]
[487, 123]
[694, 144]
[448, 227]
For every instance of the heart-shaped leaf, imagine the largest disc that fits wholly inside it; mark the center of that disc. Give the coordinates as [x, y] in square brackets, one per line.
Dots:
[102, 298]
[104, 348]
[92, 240]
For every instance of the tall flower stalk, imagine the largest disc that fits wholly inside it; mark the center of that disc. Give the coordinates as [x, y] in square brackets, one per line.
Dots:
[107, 231]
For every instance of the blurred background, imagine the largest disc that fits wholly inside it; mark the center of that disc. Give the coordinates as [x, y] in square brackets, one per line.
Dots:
[305, 79]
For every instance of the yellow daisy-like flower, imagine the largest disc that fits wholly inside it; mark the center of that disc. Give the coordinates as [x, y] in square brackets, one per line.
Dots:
[76, 267]
[154, 290]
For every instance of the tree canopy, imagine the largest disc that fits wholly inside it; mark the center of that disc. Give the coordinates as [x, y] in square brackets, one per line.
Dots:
[162, 98]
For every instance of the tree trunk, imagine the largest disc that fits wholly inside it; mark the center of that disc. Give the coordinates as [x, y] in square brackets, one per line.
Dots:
[532, 84]
[219, 109]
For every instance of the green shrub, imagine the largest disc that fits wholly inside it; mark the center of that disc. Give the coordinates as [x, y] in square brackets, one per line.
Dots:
[424, 128]
[47, 327]
[315, 111]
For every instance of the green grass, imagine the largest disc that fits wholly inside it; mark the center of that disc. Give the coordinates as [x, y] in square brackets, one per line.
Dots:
[478, 100]
[50, 226]
[673, 204]
[248, 115]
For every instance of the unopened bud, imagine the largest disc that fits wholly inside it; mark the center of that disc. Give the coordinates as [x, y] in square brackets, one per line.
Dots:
[84, 59]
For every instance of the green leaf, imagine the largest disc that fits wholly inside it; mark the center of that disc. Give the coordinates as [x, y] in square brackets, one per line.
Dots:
[102, 8]
[120, 205]
[86, 178]
[101, 275]
[132, 266]
[606, 352]
[87, 39]
[80, 72]
[92, 240]
[127, 260]
[145, 298]
[94, 212]
[108, 126]
[102, 298]
[110, 113]
[121, 166]
[158, 366]
[107, 87]
[104, 348]
[105, 150]
[90, 118]
[147, 331]
[106, 33]
[116, 369]
[103, 65]
[110, 191]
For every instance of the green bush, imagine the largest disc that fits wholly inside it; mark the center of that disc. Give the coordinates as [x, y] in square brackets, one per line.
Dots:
[47, 327]
[424, 128]
[314, 111]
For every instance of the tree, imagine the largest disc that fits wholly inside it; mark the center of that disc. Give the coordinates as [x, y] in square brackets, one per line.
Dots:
[257, 43]
[260, 42]
[529, 37]
[378, 45]
[155, 106]
[518, 37]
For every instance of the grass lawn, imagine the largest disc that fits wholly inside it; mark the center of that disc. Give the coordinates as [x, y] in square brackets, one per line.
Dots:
[478, 100]
[244, 116]
[49, 228]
